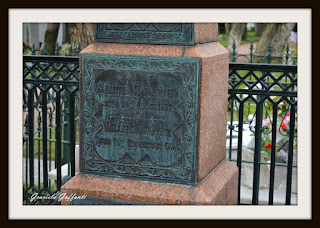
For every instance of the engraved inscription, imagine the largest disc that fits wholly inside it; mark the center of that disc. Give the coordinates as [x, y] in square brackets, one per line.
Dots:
[139, 117]
[155, 33]
[137, 105]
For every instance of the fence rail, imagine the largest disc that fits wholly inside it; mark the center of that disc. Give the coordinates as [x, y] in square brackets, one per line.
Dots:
[287, 58]
[262, 101]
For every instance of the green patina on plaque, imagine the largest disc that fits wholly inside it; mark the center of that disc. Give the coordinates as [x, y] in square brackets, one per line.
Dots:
[146, 33]
[139, 117]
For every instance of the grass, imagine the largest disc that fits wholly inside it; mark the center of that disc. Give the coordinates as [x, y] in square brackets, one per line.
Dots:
[223, 43]
[251, 36]
[295, 47]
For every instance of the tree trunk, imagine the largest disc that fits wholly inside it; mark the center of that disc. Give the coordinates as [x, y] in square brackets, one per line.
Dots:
[280, 40]
[28, 34]
[258, 28]
[228, 28]
[245, 34]
[66, 37]
[276, 34]
[266, 37]
[50, 37]
[80, 32]
[235, 34]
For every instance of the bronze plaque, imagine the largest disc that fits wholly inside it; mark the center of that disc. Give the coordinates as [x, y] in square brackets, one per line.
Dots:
[146, 33]
[139, 117]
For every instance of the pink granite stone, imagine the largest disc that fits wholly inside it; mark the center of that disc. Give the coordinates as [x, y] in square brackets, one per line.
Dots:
[205, 32]
[218, 188]
[217, 178]
[213, 92]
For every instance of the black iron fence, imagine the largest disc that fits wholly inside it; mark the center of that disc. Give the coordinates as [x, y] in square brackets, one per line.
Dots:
[262, 130]
[262, 111]
[51, 111]
[288, 57]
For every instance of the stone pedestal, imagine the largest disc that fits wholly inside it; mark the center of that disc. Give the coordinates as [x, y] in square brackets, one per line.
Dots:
[125, 153]
[218, 188]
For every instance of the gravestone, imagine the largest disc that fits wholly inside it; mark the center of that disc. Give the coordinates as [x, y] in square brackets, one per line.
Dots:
[153, 114]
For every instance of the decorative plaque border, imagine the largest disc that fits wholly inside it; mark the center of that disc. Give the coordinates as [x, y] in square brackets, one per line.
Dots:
[91, 163]
[145, 33]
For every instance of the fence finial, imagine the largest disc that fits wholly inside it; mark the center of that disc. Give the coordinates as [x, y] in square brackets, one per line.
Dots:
[78, 49]
[287, 53]
[234, 51]
[45, 49]
[269, 52]
[39, 122]
[251, 51]
[57, 49]
[33, 50]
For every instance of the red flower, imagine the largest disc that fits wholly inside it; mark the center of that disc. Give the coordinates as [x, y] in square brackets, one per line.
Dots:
[268, 145]
[283, 126]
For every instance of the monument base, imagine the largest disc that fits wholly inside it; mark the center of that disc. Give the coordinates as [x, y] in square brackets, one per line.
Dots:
[219, 187]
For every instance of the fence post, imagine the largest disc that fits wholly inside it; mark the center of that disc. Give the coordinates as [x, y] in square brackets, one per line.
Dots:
[50, 137]
[26, 132]
[231, 127]
[31, 132]
[39, 151]
[269, 53]
[251, 51]
[287, 53]
[65, 124]
[57, 50]
[290, 154]
[234, 51]
[257, 152]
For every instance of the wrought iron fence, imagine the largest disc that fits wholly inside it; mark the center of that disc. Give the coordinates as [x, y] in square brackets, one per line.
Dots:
[287, 58]
[262, 115]
[51, 111]
[262, 105]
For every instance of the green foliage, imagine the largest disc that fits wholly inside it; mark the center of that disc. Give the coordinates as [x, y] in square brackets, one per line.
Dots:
[64, 51]
[223, 43]
[265, 140]
[27, 52]
[251, 36]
